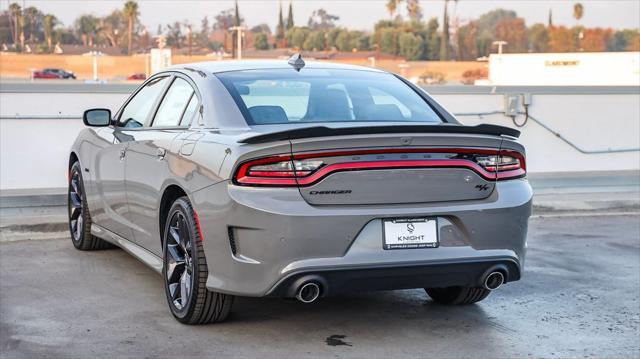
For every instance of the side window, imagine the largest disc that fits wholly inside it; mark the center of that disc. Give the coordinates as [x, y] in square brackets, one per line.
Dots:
[174, 104]
[190, 111]
[136, 111]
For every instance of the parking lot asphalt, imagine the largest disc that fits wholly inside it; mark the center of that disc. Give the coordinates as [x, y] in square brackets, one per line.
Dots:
[579, 297]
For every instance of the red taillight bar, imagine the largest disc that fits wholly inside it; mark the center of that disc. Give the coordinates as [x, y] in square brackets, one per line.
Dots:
[245, 176]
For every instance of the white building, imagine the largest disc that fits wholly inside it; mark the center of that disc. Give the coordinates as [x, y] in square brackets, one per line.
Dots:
[565, 69]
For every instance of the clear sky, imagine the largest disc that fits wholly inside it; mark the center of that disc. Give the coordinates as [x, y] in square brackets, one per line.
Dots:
[354, 14]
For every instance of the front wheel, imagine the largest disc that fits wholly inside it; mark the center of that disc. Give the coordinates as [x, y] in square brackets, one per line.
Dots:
[457, 295]
[79, 217]
[185, 270]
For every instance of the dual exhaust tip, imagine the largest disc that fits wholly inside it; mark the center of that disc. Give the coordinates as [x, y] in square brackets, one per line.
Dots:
[493, 280]
[310, 291]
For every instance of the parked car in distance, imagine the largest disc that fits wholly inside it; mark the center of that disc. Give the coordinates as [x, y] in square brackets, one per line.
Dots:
[137, 76]
[51, 73]
[286, 179]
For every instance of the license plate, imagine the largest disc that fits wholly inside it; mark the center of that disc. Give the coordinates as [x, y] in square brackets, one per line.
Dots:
[410, 233]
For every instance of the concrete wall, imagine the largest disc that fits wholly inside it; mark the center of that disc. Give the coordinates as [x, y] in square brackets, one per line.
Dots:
[39, 122]
[119, 67]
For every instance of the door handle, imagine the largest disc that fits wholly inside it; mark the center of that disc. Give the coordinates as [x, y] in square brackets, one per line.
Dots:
[161, 152]
[123, 152]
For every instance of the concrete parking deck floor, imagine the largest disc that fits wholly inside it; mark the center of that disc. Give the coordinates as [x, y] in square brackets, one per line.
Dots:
[579, 298]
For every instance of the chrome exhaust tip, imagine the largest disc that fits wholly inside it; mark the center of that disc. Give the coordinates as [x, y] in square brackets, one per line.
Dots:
[308, 292]
[494, 280]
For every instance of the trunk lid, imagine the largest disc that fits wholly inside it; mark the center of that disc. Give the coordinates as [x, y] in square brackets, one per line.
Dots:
[396, 168]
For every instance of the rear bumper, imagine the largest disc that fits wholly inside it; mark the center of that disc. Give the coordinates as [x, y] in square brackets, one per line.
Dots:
[429, 275]
[258, 241]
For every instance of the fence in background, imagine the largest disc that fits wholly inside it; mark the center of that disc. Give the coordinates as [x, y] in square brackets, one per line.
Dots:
[571, 128]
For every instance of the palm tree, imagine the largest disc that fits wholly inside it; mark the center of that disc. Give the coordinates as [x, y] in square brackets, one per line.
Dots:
[16, 12]
[392, 7]
[444, 44]
[131, 12]
[414, 10]
[87, 26]
[49, 22]
[578, 11]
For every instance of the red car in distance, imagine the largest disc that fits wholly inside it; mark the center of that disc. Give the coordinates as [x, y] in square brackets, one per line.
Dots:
[53, 74]
[137, 76]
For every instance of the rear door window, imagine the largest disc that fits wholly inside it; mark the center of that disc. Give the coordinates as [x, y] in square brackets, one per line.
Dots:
[174, 104]
[190, 111]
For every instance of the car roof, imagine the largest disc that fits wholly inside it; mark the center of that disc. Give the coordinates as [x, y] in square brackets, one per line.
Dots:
[240, 65]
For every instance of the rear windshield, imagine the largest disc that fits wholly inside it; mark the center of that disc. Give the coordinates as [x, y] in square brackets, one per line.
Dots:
[317, 95]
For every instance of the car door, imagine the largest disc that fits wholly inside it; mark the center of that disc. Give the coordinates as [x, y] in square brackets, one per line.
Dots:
[148, 156]
[110, 160]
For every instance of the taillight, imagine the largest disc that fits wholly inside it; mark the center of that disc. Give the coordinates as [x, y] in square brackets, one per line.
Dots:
[276, 171]
[307, 169]
[506, 164]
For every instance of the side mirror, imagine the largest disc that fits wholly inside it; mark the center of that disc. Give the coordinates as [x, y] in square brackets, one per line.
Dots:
[97, 117]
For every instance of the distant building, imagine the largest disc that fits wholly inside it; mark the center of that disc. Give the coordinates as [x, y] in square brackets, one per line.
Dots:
[565, 69]
[63, 49]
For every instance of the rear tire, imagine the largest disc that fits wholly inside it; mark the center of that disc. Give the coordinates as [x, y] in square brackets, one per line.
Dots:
[457, 295]
[79, 216]
[185, 270]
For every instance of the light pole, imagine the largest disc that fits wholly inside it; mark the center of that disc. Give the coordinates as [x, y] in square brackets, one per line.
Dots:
[500, 44]
[239, 30]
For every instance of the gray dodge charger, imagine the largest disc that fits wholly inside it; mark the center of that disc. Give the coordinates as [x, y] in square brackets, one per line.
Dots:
[294, 179]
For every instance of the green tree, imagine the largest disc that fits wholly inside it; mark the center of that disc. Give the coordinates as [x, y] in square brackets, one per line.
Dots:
[344, 41]
[49, 23]
[361, 40]
[414, 10]
[468, 42]
[624, 40]
[280, 28]
[296, 36]
[261, 41]
[112, 27]
[486, 24]
[264, 28]
[174, 35]
[389, 40]
[237, 20]
[432, 39]
[15, 12]
[321, 20]
[33, 19]
[315, 41]
[538, 38]
[392, 7]
[86, 26]
[578, 11]
[131, 13]
[225, 19]
[332, 36]
[562, 39]
[445, 46]
[514, 32]
[290, 17]
[411, 46]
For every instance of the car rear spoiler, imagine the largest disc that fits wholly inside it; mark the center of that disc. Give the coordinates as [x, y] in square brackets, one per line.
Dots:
[322, 131]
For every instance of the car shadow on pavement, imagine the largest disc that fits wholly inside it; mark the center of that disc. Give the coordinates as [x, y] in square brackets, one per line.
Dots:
[379, 308]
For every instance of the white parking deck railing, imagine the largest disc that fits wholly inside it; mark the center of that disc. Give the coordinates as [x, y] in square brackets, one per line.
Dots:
[571, 129]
